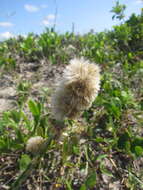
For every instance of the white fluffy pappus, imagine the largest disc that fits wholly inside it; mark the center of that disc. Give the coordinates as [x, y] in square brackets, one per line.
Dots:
[76, 90]
[35, 144]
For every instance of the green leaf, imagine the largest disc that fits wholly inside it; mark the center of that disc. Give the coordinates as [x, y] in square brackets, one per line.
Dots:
[108, 173]
[100, 157]
[99, 139]
[138, 150]
[91, 180]
[2, 126]
[105, 171]
[68, 185]
[40, 131]
[19, 135]
[76, 150]
[24, 161]
[136, 145]
[16, 146]
[34, 108]
[123, 141]
[83, 187]
[16, 116]
[2, 144]
[27, 121]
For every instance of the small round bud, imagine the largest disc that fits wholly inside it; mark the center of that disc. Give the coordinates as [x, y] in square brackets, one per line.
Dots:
[35, 144]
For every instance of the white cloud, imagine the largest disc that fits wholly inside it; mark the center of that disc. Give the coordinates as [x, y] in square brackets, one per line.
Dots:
[31, 8]
[6, 24]
[45, 22]
[139, 1]
[51, 17]
[48, 20]
[6, 35]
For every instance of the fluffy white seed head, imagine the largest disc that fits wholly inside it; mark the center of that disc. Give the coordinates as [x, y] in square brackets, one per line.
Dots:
[76, 90]
[35, 144]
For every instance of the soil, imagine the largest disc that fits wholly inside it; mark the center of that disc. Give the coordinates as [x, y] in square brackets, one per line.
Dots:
[39, 75]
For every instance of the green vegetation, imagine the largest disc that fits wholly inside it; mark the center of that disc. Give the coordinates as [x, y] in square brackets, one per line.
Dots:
[105, 147]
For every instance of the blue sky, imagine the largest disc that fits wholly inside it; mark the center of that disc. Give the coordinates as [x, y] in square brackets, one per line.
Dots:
[23, 16]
